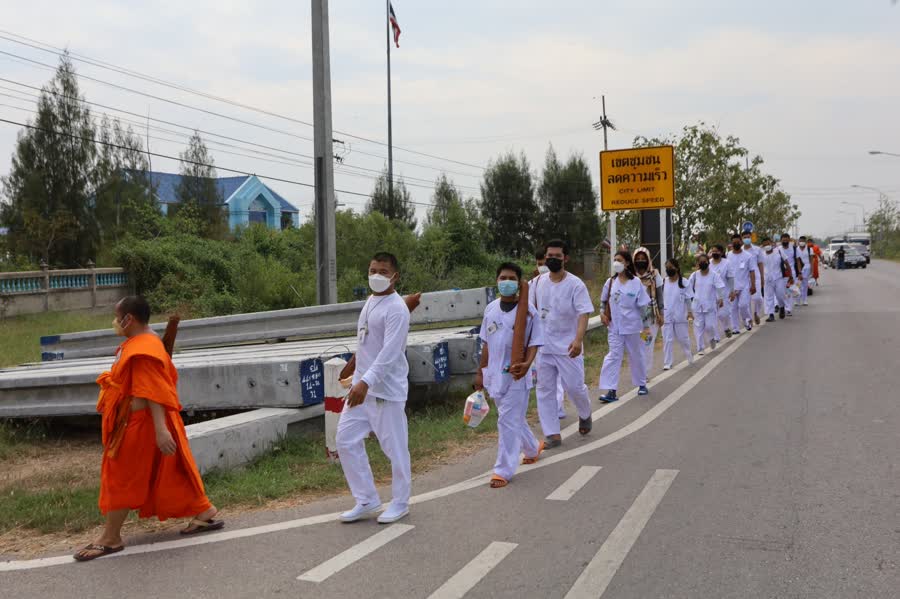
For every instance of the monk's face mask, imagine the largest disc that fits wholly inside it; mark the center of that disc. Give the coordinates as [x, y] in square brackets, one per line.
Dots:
[119, 326]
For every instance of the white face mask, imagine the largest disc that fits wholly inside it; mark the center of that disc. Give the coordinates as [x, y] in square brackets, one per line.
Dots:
[379, 283]
[802, 244]
[768, 249]
[618, 267]
[543, 269]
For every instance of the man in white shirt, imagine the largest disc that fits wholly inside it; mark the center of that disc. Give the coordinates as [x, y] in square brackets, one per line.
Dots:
[564, 305]
[787, 254]
[742, 268]
[377, 400]
[804, 265]
[509, 384]
[541, 263]
[719, 265]
[775, 281]
[756, 302]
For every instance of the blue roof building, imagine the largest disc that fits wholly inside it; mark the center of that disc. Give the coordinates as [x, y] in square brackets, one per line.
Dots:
[246, 199]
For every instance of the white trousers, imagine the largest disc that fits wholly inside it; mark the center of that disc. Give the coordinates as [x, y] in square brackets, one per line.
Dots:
[680, 331]
[387, 419]
[705, 328]
[775, 294]
[724, 316]
[740, 310]
[649, 350]
[804, 284]
[515, 435]
[756, 301]
[612, 363]
[551, 370]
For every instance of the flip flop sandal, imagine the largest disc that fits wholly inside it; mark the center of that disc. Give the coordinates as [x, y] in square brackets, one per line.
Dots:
[528, 461]
[102, 549]
[196, 526]
[498, 482]
[585, 426]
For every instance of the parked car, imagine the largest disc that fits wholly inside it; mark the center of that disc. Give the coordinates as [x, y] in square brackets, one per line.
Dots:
[852, 258]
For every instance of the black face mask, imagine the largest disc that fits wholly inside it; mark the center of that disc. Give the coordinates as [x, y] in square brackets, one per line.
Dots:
[737, 245]
[784, 244]
[671, 272]
[641, 265]
[704, 265]
[716, 256]
[554, 264]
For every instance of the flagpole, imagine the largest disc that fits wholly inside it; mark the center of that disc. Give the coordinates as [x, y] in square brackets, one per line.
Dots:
[389, 123]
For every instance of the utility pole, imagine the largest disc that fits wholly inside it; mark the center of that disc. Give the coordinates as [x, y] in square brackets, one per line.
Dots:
[387, 22]
[604, 123]
[326, 259]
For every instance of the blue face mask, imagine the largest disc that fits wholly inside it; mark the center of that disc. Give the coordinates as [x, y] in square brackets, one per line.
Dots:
[748, 240]
[508, 288]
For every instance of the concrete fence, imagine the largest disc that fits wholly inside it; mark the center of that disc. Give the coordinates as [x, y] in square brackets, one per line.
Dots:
[60, 290]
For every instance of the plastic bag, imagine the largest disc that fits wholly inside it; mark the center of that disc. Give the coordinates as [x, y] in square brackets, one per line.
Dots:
[476, 409]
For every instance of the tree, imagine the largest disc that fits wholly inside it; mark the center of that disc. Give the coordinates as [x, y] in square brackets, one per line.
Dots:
[51, 185]
[395, 204]
[446, 198]
[568, 202]
[508, 206]
[198, 188]
[124, 202]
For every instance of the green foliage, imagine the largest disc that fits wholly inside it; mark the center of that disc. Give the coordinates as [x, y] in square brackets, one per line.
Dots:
[884, 226]
[508, 206]
[198, 192]
[568, 203]
[395, 204]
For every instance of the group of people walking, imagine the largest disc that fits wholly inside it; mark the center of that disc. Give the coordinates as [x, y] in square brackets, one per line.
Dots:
[147, 462]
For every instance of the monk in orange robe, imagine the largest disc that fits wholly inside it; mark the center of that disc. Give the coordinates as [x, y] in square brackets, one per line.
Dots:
[147, 462]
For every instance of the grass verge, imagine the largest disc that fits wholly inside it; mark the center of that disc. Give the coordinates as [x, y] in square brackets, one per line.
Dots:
[21, 334]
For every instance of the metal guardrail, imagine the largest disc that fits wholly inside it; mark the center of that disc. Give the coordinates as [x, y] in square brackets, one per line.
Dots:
[278, 325]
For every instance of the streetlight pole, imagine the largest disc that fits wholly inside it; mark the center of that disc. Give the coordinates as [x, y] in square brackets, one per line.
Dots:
[880, 153]
[858, 205]
[853, 214]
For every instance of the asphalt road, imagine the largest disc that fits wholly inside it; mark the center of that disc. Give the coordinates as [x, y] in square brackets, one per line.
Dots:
[770, 468]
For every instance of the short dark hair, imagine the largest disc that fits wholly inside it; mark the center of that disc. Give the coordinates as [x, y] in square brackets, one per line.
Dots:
[557, 243]
[803, 237]
[540, 254]
[746, 233]
[736, 236]
[720, 247]
[387, 257]
[136, 307]
[510, 266]
[783, 235]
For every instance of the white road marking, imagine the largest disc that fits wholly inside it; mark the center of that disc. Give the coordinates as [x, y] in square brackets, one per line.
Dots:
[648, 417]
[471, 574]
[568, 489]
[600, 571]
[340, 561]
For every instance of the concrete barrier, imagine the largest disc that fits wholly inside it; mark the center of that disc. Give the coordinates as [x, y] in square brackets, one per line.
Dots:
[278, 325]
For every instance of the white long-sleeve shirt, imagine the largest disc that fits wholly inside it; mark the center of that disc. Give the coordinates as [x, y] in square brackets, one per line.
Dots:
[708, 289]
[497, 332]
[626, 301]
[559, 306]
[721, 269]
[740, 265]
[381, 356]
[772, 264]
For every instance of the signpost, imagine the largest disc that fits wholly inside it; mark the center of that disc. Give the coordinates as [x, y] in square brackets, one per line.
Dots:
[640, 179]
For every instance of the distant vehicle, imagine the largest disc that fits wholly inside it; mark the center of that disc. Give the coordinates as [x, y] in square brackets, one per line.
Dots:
[863, 239]
[852, 258]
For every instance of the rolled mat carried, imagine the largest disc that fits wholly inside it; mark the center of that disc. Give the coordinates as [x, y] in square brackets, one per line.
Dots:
[519, 329]
[168, 337]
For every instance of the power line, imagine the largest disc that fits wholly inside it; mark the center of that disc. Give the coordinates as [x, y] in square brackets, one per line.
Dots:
[131, 73]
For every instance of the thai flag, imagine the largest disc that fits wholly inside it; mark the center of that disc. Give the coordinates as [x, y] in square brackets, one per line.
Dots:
[395, 25]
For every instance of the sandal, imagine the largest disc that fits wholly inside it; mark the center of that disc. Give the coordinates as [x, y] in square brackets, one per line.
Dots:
[585, 425]
[528, 461]
[498, 482]
[102, 549]
[196, 526]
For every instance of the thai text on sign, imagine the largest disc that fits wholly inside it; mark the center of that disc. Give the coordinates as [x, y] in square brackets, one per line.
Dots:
[637, 178]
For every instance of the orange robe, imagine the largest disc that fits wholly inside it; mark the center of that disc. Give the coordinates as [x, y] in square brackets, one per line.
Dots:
[135, 474]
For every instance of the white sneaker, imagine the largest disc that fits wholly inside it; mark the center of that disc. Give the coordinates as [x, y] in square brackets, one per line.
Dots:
[360, 512]
[700, 352]
[805, 303]
[667, 367]
[392, 514]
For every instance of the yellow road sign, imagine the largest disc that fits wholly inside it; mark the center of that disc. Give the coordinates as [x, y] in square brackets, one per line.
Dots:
[637, 178]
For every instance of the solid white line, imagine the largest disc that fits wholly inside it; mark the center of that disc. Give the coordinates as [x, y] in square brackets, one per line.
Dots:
[340, 561]
[471, 574]
[600, 571]
[477, 481]
[568, 489]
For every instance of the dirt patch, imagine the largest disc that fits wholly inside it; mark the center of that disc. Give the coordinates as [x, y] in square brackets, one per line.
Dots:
[38, 468]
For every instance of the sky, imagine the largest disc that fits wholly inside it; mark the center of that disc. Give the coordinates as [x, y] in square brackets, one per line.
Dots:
[809, 85]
